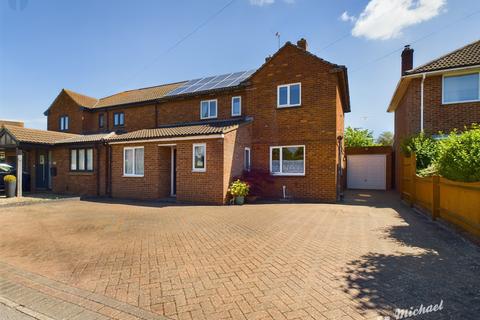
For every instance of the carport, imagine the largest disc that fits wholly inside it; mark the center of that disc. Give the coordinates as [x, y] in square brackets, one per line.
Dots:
[29, 149]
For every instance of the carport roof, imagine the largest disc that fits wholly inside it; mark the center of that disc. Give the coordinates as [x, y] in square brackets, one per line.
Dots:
[35, 136]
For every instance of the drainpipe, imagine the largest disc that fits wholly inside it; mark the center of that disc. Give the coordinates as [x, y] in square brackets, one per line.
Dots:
[421, 100]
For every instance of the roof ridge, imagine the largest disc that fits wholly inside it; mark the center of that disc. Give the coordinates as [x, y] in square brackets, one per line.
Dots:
[444, 56]
[144, 88]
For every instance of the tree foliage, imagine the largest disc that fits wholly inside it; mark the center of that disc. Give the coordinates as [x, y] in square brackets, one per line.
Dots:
[385, 138]
[459, 155]
[424, 147]
[355, 137]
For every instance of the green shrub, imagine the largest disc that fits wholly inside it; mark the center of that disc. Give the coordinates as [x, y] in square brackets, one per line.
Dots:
[239, 188]
[459, 155]
[9, 178]
[424, 147]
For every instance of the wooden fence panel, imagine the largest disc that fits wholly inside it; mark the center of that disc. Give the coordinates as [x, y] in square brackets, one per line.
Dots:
[455, 202]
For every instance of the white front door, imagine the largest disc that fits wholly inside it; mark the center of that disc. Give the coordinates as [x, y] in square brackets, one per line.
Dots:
[366, 171]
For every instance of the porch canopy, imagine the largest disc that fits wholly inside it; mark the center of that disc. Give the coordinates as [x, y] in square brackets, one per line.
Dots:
[16, 142]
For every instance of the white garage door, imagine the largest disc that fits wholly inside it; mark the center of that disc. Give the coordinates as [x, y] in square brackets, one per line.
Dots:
[366, 171]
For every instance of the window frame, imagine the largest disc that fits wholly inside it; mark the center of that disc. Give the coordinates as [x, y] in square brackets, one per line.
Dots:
[288, 105]
[119, 114]
[64, 123]
[281, 160]
[216, 111]
[249, 167]
[240, 110]
[204, 169]
[101, 120]
[451, 75]
[77, 159]
[133, 175]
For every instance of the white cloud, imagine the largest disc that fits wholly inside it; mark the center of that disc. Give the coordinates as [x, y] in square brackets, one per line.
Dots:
[346, 17]
[386, 19]
[262, 3]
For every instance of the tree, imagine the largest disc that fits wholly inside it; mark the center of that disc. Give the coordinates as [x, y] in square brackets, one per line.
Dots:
[385, 138]
[355, 137]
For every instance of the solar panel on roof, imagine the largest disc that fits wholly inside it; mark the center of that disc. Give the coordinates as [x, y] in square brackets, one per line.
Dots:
[215, 82]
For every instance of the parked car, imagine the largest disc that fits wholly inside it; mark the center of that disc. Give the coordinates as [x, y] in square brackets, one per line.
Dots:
[6, 169]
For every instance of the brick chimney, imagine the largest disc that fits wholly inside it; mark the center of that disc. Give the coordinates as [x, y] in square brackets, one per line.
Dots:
[407, 59]
[302, 43]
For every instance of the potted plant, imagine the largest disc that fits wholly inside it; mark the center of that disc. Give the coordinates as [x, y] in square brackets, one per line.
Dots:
[239, 190]
[10, 185]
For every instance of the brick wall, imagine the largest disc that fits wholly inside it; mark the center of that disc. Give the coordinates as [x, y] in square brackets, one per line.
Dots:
[64, 105]
[313, 124]
[79, 183]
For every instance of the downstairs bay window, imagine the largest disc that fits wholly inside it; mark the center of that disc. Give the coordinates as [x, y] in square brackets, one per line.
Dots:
[287, 160]
[133, 162]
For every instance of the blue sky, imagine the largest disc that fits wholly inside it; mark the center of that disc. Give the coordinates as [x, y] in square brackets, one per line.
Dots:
[102, 47]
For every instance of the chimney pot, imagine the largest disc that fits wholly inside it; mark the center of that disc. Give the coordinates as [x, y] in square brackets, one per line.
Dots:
[407, 59]
[302, 43]
[268, 58]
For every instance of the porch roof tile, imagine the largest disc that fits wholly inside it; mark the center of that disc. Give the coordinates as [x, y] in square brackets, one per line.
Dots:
[182, 130]
[27, 135]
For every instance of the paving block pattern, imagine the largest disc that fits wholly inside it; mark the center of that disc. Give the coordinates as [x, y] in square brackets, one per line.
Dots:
[359, 260]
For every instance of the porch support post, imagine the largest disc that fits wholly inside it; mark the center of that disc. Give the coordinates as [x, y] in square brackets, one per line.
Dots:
[19, 171]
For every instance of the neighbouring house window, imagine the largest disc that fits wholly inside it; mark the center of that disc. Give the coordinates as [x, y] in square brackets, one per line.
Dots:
[208, 109]
[461, 88]
[101, 120]
[247, 160]
[287, 160]
[118, 119]
[64, 123]
[133, 162]
[199, 157]
[81, 159]
[236, 106]
[289, 95]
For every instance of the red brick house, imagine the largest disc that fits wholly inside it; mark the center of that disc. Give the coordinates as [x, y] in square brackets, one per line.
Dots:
[190, 139]
[439, 96]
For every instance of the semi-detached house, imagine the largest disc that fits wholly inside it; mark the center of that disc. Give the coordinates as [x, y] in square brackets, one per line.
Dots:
[190, 139]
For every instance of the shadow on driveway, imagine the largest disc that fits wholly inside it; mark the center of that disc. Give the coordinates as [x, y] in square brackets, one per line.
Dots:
[448, 268]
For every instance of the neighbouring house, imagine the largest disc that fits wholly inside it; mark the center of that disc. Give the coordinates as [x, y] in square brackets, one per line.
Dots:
[439, 96]
[190, 139]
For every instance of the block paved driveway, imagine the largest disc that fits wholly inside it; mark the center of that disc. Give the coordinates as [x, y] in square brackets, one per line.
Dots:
[357, 260]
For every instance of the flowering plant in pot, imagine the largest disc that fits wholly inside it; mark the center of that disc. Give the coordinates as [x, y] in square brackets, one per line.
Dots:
[10, 185]
[239, 190]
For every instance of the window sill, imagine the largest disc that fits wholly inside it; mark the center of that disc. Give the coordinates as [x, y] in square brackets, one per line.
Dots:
[133, 176]
[289, 106]
[81, 173]
[199, 170]
[460, 102]
[287, 174]
[209, 118]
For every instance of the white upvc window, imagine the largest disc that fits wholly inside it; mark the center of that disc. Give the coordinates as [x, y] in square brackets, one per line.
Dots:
[208, 109]
[287, 160]
[236, 106]
[289, 95]
[461, 88]
[199, 157]
[133, 162]
[247, 160]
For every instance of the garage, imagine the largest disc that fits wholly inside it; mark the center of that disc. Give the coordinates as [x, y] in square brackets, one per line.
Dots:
[369, 168]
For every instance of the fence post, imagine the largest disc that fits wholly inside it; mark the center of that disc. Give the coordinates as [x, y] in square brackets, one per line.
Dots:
[413, 175]
[436, 197]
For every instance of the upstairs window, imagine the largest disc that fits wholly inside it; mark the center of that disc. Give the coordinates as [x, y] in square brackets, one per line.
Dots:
[133, 162]
[208, 109]
[118, 119]
[461, 88]
[236, 106]
[101, 120]
[289, 95]
[81, 159]
[287, 160]
[64, 123]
